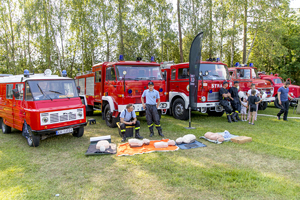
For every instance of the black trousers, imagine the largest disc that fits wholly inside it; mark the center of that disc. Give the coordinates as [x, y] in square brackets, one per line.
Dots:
[137, 126]
[284, 109]
[152, 116]
[236, 105]
[226, 106]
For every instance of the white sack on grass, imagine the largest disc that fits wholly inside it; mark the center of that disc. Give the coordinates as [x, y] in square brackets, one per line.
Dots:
[146, 141]
[179, 140]
[161, 144]
[102, 143]
[135, 142]
[171, 142]
[189, 138]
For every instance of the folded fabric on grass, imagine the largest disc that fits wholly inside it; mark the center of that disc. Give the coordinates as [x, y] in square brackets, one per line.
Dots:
[226, 135]
[126, 150]
[192, 145]
[93, 150]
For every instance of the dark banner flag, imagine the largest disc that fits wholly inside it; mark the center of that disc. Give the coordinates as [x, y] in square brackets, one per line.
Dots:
[194, 65]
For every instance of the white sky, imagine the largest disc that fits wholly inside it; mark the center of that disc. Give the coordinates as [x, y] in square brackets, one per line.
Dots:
[295, 4]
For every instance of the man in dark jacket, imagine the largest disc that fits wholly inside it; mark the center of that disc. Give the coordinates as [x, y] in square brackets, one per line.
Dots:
[235, 103]
[225, 97]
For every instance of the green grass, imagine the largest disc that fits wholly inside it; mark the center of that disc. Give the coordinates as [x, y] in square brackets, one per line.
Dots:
[267, 168]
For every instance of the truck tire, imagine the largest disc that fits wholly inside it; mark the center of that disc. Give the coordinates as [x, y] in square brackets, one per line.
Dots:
[263, 105]
[5, 129]
[276, 103]
[32, 140]
[90, 113]
[110, 121]
[78, 132]
[215, 114]
[179, 111]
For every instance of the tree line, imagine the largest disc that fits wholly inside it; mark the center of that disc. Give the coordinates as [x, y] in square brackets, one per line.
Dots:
[76, 34]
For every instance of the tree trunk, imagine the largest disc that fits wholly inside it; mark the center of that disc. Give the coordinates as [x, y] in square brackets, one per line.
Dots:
[12, 37]
[221, 31]
[245, 32]
[232, 39]
[210, 30]
[252, 44]
[179, 29]
[121, 29]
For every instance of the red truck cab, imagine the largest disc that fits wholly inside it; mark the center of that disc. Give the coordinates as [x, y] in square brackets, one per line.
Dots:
[177, 77]
[41, 105]
[247, 76]
[277, 82]
[110, 86]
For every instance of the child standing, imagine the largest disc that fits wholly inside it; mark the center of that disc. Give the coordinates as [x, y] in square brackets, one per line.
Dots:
[252, 102]
[244, 109]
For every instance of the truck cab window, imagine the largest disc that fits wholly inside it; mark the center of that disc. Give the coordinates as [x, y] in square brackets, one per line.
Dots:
[9, 92]
[28, 94]
[20, 89]
[110, 74]
[98, 76]
[173, 74]
[183, 73]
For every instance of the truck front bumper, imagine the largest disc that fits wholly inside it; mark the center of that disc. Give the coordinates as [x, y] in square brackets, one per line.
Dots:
[48, 131]
[269, 99]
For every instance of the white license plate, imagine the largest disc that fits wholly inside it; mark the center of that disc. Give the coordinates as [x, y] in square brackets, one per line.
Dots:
[69, 130]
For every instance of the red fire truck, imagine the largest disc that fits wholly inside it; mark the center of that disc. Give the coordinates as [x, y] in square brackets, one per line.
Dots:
[110, 86]
[277, 82]
[41, 105]
[211, 78]
[247, 76]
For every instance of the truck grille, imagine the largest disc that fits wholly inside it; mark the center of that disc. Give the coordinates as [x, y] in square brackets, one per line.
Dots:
[72, 116]
[54, 118]
[213, 96]
[63, 118]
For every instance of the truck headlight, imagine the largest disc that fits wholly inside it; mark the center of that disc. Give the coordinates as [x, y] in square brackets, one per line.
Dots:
[45, 119]
[203, 98]
[292, 94]
[80, 114]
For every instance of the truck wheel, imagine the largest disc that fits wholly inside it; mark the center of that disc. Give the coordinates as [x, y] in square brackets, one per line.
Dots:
[78, 132]
[110, 121]
[32, 140]
[263, 105]
[215, 114]
[276, 103]
[5, 129]
[179, 111]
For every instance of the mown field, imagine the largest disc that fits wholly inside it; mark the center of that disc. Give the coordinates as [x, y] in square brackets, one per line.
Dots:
[267, 168]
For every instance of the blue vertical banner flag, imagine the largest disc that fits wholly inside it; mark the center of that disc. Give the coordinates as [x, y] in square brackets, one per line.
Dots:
[194, 66]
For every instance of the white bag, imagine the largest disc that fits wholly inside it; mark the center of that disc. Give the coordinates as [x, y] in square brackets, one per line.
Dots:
[161, 144]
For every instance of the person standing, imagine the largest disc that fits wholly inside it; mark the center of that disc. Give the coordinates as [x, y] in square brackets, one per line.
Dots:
[236, 102]
[252, 102]
[257, 94]
[224, 97]
[283, 94]
[151, 108]
[128, 117]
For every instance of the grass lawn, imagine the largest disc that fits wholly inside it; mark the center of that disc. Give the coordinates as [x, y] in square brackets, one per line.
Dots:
[267, 168]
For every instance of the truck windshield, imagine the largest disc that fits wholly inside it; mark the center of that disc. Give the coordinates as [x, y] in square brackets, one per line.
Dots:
[277, 80]
[138, 72]
[51, 89]
[215, 72]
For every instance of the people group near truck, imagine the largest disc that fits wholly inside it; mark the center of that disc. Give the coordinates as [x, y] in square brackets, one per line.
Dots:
[151, 108]
[225, 97]
[257, 94]
[283, 94]
[236, 102]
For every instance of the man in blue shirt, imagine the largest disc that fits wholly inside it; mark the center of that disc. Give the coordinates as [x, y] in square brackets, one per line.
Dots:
[151, 108]
[128, 117]
[283, 94]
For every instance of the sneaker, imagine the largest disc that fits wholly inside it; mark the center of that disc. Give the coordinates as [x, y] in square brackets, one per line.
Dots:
[285, 120]
[252, 123]
[278, 117]
[249, 122]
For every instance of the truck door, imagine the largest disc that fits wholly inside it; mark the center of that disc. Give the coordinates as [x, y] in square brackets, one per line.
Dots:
[183, 80]
[8, 104]
[173, 85]
[98, 86]
[110, 81]
[18, 109]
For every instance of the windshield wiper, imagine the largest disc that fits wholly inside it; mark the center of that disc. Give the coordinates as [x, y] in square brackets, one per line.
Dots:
[43, 92]
[57, 92]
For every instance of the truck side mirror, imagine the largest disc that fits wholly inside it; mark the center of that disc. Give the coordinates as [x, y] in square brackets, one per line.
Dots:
[78, 89]
[16, 93]
[164, 75]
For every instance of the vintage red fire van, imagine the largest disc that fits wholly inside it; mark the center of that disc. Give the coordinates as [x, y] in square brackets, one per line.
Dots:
[212, 74]
[41, 105]
[110, 86]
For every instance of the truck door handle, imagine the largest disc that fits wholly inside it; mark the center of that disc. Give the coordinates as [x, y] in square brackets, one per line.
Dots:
[177, 86]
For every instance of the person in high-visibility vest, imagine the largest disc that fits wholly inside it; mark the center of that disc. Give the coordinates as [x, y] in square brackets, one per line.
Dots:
[151, 107]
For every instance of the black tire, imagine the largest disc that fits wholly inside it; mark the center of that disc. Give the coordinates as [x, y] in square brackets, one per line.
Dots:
[215, 114]
[90, 113]
[263, 105]
[110, 121]
[5, 129]
[276, 103]
[78, 132]
[32, 140]
[179, 111]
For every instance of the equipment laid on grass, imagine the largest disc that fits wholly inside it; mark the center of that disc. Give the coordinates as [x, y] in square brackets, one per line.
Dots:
[92, 121]
[241, 139]
[195, 144]
[100, 146]
[226, 135]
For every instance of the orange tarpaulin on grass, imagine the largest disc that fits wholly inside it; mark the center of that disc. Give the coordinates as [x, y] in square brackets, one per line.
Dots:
[126, 150]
